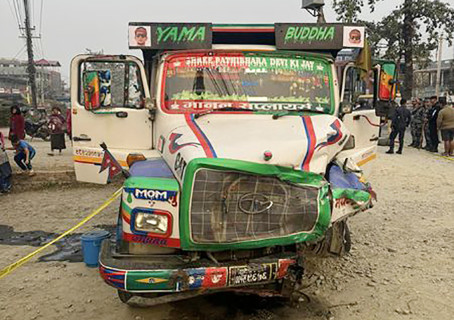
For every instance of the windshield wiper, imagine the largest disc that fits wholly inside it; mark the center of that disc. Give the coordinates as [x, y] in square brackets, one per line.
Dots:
[277, 115]
[198, 115]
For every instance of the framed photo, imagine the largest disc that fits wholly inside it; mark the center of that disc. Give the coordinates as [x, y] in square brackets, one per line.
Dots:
[139, 36]
[354, 37]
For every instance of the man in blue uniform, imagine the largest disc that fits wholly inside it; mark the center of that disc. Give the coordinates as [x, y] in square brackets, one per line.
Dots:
[400, 121]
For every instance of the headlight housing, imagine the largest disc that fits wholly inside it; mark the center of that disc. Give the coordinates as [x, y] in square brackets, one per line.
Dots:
[151, 222]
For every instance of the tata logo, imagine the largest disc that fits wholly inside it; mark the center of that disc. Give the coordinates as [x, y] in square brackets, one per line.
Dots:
[150, 194]
[254, 203]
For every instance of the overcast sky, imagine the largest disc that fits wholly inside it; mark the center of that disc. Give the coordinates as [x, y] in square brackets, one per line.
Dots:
[68, 27]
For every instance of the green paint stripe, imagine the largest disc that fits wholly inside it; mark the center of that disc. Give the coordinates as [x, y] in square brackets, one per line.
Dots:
[152, 183]
[353, 194]
[127, 208]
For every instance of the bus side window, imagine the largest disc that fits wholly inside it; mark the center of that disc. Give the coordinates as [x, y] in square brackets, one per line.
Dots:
[108, 84]
[359, 89]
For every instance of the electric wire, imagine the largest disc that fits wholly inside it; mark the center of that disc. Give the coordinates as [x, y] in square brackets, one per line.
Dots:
[20, 51]
[19, 12]
[41, 19]
[14, 13]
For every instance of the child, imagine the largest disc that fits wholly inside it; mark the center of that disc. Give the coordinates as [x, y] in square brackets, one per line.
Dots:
[5, 168]
[24, 154]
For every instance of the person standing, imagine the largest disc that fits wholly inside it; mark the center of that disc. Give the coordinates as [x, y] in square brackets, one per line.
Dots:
[16, 123]
[400, 121]
[433, 131]
[5, 168]
[24, 154]
[427, 107]
[417, 119]
[68, 123]
[445, 122]
[57, 132]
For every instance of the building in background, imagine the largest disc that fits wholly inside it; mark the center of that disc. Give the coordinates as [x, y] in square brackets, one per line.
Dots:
[14, 80]
[426, 79]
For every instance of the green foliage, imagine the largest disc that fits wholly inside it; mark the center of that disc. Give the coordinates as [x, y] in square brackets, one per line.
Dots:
[412, 29]
[348, 10]
[429, 17]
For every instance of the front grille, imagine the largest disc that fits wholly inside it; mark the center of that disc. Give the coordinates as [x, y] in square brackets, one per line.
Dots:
[233, 206]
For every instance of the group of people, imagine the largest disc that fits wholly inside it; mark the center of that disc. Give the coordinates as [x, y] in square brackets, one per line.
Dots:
[426, 118]
[24, 152]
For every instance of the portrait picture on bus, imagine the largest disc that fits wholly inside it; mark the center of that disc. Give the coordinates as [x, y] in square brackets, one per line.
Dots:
[139, 36]
[354, 37]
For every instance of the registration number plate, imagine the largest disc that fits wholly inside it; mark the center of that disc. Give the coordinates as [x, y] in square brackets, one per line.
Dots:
[242, 275]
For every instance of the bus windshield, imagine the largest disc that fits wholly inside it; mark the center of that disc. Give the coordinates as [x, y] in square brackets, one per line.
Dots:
[262, 82]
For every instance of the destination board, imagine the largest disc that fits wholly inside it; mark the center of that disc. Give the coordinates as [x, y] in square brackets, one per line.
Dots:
[170, 36]
[307, 36]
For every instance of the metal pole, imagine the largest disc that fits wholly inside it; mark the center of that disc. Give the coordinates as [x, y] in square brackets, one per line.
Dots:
[31, 64]
[321, 16]
[437, 83]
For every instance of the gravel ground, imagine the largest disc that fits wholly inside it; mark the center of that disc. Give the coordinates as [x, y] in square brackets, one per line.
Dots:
[401, 265]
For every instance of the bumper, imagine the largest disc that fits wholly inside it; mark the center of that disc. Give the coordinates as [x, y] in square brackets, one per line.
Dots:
[172, 274]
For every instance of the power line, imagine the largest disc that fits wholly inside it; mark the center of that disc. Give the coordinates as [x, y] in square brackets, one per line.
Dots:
[14, 13]
[41, 18]
[20, 51]
[42, 47]
[19, 10]
[32, 22]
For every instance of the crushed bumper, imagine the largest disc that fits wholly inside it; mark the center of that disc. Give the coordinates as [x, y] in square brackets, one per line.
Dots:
[172, 274]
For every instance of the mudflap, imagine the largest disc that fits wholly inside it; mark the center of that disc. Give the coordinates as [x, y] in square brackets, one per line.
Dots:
[156, 279]
[336, 241]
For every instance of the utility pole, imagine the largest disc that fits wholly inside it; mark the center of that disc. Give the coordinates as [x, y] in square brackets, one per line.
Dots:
[315, 8]
[437, 83]
[31, 64]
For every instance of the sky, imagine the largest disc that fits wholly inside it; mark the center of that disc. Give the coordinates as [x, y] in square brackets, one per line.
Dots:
[69, 27]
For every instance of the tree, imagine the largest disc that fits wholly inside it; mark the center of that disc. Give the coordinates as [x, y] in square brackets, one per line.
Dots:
[412, 30]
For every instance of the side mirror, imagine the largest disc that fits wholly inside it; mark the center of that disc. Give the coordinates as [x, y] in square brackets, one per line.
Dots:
[346, 108]
[385, 108]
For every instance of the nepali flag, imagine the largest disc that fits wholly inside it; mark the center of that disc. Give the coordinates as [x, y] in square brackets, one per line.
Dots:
[108, 161]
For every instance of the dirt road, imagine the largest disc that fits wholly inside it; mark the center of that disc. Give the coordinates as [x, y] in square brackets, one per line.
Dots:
[401, 265]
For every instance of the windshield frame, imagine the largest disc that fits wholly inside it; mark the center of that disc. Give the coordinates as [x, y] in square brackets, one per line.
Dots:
[318, 57]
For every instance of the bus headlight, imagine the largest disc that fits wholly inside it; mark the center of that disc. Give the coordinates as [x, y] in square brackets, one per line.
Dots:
[156, 221]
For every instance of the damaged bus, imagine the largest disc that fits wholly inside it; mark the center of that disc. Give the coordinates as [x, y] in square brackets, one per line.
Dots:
[245, 145]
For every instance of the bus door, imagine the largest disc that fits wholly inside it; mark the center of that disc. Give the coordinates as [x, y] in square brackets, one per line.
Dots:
[108, 105]
[359, 91]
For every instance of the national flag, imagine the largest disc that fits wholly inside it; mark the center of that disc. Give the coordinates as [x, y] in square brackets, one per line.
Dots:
[109, 161]
[364, 61]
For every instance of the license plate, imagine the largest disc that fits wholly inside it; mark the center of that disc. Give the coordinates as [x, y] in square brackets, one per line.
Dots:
[242, 275]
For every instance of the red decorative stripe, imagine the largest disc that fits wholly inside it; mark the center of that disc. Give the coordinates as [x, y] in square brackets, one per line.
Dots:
[243, 30]
[161, 242]
[126, 216]
[311, 141]
[200, 136]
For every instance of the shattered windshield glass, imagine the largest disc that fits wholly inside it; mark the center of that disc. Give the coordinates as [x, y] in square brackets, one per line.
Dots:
[265, 82]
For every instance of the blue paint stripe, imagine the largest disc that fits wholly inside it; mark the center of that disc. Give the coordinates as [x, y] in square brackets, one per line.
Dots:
[204, 137]
[308, 142]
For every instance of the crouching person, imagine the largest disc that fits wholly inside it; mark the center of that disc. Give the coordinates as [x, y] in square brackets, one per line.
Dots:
[5, 168]
[24, 154]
